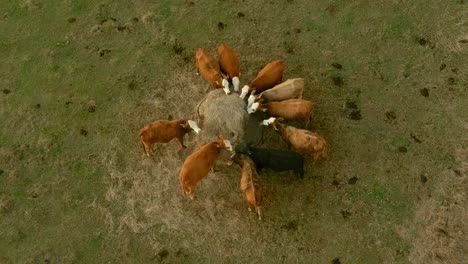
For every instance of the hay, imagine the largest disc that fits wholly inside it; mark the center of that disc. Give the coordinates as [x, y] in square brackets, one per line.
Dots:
[223, 114]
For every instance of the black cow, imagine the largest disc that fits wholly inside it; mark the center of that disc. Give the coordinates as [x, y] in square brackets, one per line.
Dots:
[277, 160]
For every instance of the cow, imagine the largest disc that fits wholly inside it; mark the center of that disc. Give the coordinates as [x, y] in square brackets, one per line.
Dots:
[208, 67]
[199, 164]
[292, 109]
[163, 131]
[229, 64]
[303, 141]
[276, 159]
[252, 196]
[268, 77]
[289, 89]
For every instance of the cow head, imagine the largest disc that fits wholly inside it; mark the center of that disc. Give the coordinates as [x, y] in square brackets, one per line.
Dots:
[268, 121]
[194, 126]
[226, 86]
[224, 143]
[235, 83]
[276, 123]
[256, 107]
[244, 92]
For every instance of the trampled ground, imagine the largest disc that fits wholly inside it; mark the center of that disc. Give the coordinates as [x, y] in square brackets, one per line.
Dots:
[389, 79]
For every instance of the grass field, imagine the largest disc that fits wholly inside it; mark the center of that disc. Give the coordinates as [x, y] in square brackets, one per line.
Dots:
[389, 80]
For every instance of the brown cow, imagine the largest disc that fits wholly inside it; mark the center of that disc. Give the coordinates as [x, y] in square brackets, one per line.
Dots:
[163, 131]
[199, 163]
[292, 109]
[304, 141]
[269, 76]
[208, 67]
[248, 173]
[229, 64]
[289, 89]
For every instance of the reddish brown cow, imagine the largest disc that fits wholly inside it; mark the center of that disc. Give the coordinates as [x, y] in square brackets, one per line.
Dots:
[163, 131]
[269, 76]
[199, 163]
[229, 64]
[304, 141]
[248, 173]
[292, 109]
[208, 67]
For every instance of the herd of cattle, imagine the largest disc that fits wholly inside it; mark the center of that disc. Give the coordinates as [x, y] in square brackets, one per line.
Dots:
[267, 93]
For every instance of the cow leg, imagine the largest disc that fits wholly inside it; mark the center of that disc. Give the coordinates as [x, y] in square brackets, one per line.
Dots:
[148, 149]
[181, 142]
[250, 209]
[258, 213]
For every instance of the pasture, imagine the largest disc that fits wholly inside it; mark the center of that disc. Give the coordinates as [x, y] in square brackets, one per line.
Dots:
[80, 78]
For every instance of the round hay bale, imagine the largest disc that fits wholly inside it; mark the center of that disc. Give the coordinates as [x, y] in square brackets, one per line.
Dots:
[223, 114]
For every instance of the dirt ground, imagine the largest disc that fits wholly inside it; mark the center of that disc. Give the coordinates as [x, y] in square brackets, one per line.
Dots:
[79, 78]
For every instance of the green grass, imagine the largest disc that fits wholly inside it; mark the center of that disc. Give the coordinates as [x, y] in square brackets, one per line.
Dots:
[75, 186]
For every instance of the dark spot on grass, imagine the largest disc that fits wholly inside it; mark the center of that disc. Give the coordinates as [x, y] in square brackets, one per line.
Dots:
[442, 66]
[135, 20]
[353, 180]
[337, 65]
[240, 15]
[163, 254]
[336, 261]
[345, 214]
[121, 28]
[68, 102]
[132, 85]
[190, 4]
[221, 25]
[104, 52]
[423, 179]
[390, 115]
[297, 30]
[335, 183]
[402, 149]
[170, 117]
[38, 105]
[451, 81]
[351, 105]
[331, 9]
[416, 139]
[463, 41]
[454, 70]
[1, 171]
[177, 47]
[71, 20]
[424, 92]
[355, 115]
[338, 81]
[83, 132]
[290, 226]
[6, 91]
[457, 172]
[422, 41]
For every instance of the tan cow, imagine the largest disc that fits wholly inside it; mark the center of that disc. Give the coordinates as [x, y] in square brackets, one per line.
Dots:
[163, 131]
[289, 89]
[268, 77]
[199, 163]
[292, 109]
[208, 67]
[248, 173]
[229, 64]
[304, 141]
